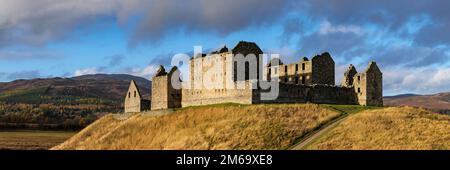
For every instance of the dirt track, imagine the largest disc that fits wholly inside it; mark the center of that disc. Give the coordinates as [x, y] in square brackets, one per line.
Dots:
[314, 135]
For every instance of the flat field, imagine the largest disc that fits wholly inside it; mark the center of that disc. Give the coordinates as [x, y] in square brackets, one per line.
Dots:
[32, 139]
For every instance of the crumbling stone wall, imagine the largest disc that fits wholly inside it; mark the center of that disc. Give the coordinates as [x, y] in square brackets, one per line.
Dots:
[164, 95]
[294, 73]
[320, 70]
[323, 69]
[349, 75]
[374, 85]
[291, 93]
[369, 86]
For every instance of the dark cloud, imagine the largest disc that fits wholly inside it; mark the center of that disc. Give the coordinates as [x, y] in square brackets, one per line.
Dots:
[29, 53]
[336, 43]
[23, 75]
[355, 41]
[435, 34]
[410, 56]
[381, 12]
[388, 14]
[162, 59]
[36, 23]
[166, 59]
[211, 16]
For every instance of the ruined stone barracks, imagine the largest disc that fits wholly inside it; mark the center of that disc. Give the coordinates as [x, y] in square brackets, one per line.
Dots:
[306, 81]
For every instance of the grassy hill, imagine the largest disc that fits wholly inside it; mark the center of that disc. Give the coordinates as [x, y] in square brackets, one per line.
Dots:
[232, 126]
[101, 88]
[389, 128]
[436, 102]
[227, 126]
[64, 103]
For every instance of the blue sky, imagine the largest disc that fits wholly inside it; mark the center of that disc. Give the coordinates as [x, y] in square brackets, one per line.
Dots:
[48, 38]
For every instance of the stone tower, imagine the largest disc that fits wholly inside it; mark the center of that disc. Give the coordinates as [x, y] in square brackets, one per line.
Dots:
[133, 100]
[369, 86]
[245, 48]
[164, 95]
[347, 81]
[323, 69]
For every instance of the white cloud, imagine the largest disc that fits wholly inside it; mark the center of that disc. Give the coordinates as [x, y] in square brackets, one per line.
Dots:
[416, 80]
[287, 54]
[146, 72]
[441, 78]
[86, 71]
[327, 28]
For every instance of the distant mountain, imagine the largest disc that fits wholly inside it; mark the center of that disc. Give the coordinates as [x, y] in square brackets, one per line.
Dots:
[64, 103]
[437, 102]
[102, 87]
[402, 95]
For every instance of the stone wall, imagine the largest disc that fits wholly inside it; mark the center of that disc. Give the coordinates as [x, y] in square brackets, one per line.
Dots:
[195, 97]
[349, 75]
[290, 93]
[323, 69]
[132, 102]
[159, 92]
[374, 86]
[326, 94]
[164, 95]
[294, 73]
[243, 49]
[174, 94]
[369, 86]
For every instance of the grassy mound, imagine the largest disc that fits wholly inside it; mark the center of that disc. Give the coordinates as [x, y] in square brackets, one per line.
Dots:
[389, 128]
[206, 127]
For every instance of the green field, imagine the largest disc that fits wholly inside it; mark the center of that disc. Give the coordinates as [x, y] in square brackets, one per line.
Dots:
[32, 139]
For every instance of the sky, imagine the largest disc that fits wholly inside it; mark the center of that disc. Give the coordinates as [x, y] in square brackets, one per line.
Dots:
[409, 40]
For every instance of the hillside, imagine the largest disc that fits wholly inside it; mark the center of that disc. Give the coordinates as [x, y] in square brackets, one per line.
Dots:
[389, 128]
[436, 102]
[64, 103]
[227, 126]
[103, 87]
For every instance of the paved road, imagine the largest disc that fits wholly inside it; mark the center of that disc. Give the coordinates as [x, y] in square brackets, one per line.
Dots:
[325, 128]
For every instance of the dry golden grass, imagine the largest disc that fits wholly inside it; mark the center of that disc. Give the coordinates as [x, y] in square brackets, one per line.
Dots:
[32, 139]
[390, 128]
[210, 127]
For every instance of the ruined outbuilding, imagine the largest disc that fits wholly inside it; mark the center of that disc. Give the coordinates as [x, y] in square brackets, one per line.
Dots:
[134, 102]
